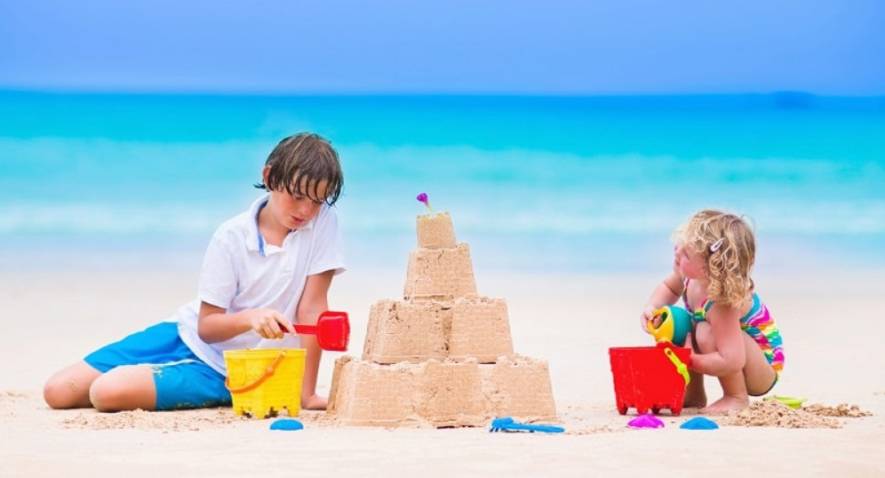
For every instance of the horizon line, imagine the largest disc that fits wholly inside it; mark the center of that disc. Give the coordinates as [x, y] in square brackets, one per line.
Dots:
[425, 93]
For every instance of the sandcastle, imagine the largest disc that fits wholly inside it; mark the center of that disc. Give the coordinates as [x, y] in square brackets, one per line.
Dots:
[443, 356]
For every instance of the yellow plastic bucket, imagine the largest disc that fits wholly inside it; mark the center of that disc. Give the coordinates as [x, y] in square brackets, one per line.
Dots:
[262, 382]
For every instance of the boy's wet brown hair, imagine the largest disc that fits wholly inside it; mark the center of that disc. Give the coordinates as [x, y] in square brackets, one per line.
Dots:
[299, 163]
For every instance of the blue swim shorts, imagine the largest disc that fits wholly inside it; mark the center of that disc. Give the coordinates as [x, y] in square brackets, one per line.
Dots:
[181, 379]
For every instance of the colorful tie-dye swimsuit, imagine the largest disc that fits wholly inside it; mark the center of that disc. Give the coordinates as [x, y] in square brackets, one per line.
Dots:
[757, 323]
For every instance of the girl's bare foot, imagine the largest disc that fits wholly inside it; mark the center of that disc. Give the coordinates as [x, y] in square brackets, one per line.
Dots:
[695, 395]
[726, 404]
[695, 401]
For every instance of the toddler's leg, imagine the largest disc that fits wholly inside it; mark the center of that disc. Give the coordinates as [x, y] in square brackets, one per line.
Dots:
[758, 373]
[69, 387]
[695, 394]
[124, 388]
[734, 386]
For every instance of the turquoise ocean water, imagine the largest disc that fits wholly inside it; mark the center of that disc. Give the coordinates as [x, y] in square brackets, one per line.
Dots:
[562, 183]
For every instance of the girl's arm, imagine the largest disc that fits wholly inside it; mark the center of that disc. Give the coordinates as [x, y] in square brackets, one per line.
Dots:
[314, 301]
[666, 293]
[730, 353]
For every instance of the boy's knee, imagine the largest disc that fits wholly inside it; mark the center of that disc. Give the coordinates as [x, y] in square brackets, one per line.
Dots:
[69, 387]
[60, 393]
[122, 389]
[107, 394]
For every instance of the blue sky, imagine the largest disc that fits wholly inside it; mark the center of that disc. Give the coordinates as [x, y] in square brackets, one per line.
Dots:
[454, 46]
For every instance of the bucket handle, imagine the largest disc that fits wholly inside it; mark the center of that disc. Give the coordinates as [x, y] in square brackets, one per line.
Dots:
[266, 375]
[680, 366]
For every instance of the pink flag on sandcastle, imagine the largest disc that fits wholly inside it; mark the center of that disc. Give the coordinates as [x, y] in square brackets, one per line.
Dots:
[422, 197]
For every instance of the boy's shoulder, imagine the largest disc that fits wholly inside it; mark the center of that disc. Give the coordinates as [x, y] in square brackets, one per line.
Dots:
[232, 234]
[238, 229]
[326, 214]
[325, 224]
[236, 225]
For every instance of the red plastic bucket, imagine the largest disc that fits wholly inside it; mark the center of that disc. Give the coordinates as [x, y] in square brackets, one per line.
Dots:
[646, 378]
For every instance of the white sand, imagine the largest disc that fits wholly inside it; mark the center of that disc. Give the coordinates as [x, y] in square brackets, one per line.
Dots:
[831, 323]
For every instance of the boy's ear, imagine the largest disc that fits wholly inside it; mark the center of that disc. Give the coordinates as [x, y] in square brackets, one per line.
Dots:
[265, 173]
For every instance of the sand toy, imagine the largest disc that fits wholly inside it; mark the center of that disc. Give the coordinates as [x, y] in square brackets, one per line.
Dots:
[263, 382]
[675, 323]
[508, 424]
[646, 421]
[332, 330]
[699, 423]
[792, 402]
[287, 425]
[650, 378]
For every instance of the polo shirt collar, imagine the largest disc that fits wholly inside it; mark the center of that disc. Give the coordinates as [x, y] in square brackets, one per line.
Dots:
[255, 241]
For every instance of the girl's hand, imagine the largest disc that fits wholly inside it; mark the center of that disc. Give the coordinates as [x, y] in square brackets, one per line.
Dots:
[647, 315]
[268, 323]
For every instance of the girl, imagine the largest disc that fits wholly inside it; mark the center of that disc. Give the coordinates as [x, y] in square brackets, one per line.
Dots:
[733, 336]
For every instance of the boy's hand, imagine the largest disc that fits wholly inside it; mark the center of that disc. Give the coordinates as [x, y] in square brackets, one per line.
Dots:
[269, 323]
[314, 402]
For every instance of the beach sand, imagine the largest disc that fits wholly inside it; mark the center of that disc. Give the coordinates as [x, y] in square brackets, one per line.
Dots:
[829, 320]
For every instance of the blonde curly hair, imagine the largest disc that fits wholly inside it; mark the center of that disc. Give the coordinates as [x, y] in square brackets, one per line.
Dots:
[729, 249]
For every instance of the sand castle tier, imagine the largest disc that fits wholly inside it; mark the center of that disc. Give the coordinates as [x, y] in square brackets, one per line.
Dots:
[443, 356]
[439, 268]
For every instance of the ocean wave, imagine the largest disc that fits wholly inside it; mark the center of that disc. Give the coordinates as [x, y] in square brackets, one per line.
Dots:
[104, 219]
[90, 186]
[634, 218]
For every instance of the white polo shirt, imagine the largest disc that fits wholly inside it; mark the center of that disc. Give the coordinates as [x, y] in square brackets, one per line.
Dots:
[241, 271]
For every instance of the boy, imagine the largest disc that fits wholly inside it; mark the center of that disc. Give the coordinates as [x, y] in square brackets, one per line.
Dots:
[262, 268]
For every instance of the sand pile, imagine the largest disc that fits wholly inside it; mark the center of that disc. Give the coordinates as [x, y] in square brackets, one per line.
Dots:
[443, 356]
[190, 420]
[840, 410]
[771, 413]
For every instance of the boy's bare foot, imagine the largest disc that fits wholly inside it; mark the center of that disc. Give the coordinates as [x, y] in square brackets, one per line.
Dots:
[314, 402]
[726, 404]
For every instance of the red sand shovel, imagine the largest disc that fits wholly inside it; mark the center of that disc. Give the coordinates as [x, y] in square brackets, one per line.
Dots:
[332, 330]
